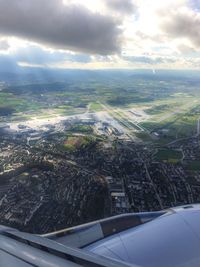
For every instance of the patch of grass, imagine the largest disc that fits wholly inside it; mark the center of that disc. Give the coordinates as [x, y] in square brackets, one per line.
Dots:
[194, 165]
[78, 128]
[95, 107]
[144, 136]
[170, 155]
[157, 109]
[73, 143]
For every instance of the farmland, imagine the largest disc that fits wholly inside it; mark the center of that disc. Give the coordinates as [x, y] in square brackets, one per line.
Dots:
[154, 109]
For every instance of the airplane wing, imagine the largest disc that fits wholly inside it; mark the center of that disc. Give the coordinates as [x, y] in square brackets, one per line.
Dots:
[169, 238]
[19, 249]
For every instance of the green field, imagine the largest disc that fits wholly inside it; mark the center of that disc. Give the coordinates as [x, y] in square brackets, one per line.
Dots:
[173, 118]
[170, 155]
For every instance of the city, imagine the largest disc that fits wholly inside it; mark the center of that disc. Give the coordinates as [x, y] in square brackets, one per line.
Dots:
[89, 166]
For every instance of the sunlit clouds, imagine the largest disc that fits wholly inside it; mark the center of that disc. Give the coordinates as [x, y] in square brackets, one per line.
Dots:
[101, 33]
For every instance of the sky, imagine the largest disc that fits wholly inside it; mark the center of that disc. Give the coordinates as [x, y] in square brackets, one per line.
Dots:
[100, 34]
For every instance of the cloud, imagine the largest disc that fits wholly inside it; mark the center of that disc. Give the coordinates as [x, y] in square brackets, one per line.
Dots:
[186, 49]
[91, 34]
[149, 60]
[39, 56]
[36, 56]
[4, 45]
[7, 63]
[121, 6]
[183, 23]
[68, 27]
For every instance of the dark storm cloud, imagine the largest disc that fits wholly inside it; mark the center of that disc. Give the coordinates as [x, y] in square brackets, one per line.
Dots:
[52, 23]
[183, 25]
[121, 6]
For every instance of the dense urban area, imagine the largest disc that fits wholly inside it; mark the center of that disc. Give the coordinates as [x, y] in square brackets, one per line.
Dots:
[75, 154]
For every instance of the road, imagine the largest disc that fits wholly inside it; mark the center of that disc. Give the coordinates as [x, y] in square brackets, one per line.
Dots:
[153, 185]
[198, 127]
